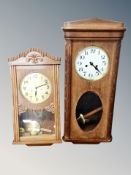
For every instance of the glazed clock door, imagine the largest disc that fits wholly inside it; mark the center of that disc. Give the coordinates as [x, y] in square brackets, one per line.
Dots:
[36, 116]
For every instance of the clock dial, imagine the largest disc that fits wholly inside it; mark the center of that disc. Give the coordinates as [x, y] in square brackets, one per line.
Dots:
[92, 63]
[35, 87]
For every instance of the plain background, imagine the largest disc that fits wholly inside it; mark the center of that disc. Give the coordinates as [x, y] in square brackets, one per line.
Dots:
[37, 23]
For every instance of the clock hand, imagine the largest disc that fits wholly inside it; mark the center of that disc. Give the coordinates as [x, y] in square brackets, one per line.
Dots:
[96, 67]
[40, 86]
[35, 92]
[37, 88]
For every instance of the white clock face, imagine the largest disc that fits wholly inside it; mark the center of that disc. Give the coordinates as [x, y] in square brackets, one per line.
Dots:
[35, 87]
[92, 63]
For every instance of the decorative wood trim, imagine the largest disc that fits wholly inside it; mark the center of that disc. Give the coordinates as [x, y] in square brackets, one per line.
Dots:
[94, 24]
[58, 104]
[94, 28]
[15, 103]
[67, 89]
[34, 56]
[100, 35]
[49, 108]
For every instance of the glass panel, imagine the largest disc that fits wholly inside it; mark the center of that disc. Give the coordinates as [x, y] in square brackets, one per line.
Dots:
[88, 111]
[32, 123]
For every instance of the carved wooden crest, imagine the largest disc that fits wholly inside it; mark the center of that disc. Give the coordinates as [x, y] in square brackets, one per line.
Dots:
[34, 56]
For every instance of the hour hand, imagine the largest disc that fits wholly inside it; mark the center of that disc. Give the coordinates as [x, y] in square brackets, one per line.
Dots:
[91, 63]
[35, 92]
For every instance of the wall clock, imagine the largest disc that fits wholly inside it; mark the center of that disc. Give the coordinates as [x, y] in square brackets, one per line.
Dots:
[92, 50]
[35, 88]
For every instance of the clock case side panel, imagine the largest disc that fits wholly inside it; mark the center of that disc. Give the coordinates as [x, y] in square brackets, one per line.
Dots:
[57, 103]
[67, 100]
[15, 103]
[113, 89]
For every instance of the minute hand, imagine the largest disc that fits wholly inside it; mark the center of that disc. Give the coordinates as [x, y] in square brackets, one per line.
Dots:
[40, 86]
[96, 67]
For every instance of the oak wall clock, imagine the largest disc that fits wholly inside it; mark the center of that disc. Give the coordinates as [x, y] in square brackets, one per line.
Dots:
[35, 88]
[92, 50]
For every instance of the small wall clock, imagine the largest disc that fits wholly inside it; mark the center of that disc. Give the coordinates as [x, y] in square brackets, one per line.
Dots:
[35, 87]
[92, 50]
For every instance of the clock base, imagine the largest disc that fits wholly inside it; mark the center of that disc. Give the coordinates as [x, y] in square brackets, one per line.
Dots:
[87, 141]
[40, 143]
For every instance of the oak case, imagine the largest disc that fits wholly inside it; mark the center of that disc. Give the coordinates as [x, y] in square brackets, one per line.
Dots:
[78, 35]
[36, 61]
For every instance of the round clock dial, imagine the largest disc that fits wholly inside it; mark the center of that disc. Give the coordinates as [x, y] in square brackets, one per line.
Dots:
[92, 63]
[35, 87]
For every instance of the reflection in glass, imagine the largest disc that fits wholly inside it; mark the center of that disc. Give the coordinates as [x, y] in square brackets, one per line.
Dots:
[32, 123]
[88, 111]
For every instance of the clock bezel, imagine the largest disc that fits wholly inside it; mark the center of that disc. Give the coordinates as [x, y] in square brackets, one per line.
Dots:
[20, 87]
[108, 66]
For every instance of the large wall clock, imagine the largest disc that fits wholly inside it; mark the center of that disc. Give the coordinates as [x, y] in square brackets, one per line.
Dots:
[35, 88]
[92, 50]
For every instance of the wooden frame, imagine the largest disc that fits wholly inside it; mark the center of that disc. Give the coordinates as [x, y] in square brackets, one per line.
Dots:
[35, 60]
[78, 35]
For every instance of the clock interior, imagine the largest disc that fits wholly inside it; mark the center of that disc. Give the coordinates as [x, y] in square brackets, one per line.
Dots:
[36, 123]
[88, 111]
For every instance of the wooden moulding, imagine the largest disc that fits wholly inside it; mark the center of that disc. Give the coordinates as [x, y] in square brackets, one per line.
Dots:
[34, 56]
[94, 28]
[67, 111]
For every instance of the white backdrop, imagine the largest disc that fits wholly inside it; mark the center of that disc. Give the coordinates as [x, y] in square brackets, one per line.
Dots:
[31, 23]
